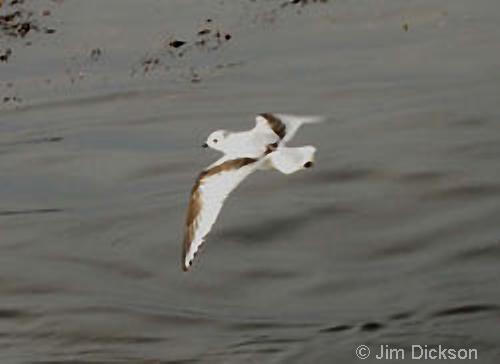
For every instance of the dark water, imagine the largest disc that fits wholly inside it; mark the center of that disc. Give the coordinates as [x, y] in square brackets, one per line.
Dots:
[392, 239]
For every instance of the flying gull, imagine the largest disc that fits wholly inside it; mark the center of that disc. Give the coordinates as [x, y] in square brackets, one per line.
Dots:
[263, 147]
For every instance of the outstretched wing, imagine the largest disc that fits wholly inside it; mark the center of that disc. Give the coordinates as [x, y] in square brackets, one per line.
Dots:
[283, 125]
[207, 197]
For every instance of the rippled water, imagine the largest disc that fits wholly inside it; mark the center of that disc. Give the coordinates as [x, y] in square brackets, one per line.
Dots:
[392, 239]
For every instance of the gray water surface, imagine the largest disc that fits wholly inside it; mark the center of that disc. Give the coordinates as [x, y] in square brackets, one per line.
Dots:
[392, 239]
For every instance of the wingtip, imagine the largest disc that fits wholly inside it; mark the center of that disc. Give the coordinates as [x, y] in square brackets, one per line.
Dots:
[305, 119]
[313, 119]
[186, 265]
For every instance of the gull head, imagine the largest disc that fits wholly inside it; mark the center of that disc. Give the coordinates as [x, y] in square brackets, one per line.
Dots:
[216, 140]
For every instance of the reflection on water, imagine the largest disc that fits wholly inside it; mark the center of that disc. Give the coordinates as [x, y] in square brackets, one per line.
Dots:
[391, 239]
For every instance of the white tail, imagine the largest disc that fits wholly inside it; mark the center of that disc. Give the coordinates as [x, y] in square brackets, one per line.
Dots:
[290, 160]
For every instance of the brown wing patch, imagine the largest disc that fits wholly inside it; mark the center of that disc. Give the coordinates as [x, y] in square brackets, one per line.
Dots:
[276, 124]
[271, 148]
[226, 166]
[194, 209]
[195, 203]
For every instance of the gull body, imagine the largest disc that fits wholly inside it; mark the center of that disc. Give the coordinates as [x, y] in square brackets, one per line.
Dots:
[269, 129]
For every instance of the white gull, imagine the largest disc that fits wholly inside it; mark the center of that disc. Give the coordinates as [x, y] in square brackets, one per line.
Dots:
[263, 147]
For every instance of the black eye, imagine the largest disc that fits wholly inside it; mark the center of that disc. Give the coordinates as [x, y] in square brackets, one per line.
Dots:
[215, 141]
